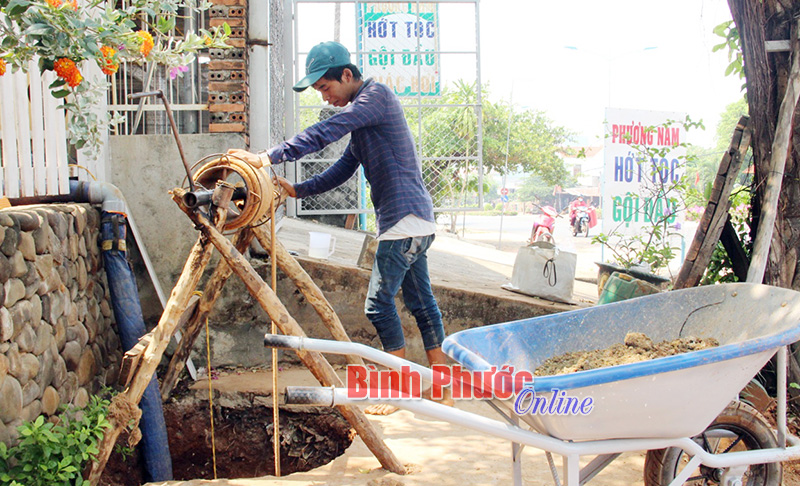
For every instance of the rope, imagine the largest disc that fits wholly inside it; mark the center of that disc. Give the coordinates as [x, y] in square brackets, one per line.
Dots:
[276, 443]
[251, 211]
[210, 395]
[211, 401]
[84, 168]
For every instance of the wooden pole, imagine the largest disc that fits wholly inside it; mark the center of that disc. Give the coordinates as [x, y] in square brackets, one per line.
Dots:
[780, 149]
[178, 300]
[211, 292]
[314, 361]
[313, 294]
[716, 213]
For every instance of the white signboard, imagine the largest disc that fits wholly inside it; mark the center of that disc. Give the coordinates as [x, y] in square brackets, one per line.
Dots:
[644, 160]
[400, 46]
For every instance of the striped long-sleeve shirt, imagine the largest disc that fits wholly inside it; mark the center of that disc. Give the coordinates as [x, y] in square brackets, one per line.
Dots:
[381, 142]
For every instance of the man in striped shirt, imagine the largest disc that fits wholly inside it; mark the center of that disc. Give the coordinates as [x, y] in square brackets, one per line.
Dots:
[382, 144]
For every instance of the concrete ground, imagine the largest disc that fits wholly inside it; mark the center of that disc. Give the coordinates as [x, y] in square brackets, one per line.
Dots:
[469, 260]
[434, 451]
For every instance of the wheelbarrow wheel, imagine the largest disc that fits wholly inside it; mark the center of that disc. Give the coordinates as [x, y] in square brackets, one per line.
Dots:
[750, 431]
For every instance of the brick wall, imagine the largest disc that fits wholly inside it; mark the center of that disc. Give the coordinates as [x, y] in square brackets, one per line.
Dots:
[227, 75]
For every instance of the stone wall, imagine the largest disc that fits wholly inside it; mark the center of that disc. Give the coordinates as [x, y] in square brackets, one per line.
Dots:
[56, 344]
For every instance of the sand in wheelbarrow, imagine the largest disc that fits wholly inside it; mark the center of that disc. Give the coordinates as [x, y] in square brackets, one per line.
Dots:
[637, 347]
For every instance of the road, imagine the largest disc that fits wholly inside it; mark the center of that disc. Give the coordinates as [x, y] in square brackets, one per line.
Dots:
[516, 230]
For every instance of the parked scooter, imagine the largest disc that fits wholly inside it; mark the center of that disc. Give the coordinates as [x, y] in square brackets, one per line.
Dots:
[543, 225]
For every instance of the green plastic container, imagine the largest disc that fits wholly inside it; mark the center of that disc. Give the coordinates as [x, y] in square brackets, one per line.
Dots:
[621, 286]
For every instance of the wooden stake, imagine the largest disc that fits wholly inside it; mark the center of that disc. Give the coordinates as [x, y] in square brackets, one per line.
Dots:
[177, 303]
[314, 361]
[211, 292]
[290, 266]
[716, 213]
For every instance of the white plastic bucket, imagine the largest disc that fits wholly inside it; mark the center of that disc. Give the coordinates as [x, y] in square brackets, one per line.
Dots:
[320, 245]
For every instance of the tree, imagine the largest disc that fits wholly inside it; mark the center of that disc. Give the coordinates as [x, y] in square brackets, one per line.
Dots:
[513, 141]
[535, 188]
[703, 162]
[767, 76]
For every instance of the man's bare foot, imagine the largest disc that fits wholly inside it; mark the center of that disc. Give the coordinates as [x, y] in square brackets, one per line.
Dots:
[380, 409]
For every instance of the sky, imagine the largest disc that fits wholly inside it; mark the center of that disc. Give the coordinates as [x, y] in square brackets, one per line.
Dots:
[642, 54]
[637, 54]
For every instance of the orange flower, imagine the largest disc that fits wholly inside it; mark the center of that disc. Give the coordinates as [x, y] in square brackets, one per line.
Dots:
[74, 4]
[207, 40]
[108, 64]
[147, 42]
[2, 67]
[54, 3]
[67, 70]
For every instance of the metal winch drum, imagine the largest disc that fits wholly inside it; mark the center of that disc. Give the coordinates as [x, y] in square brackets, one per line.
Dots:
[253, 194]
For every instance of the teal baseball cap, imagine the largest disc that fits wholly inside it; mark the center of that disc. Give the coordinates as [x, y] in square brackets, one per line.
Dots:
[320, 58]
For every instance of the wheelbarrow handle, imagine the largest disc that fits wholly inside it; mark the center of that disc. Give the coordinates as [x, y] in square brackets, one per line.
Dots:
[283, 342]
[309, 395]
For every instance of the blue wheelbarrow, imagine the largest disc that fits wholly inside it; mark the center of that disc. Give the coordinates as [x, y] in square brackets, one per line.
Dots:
[682, 409]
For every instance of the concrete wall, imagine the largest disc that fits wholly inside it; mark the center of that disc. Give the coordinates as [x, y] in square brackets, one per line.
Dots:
[57, 344]
[238, 323]
[145, 168]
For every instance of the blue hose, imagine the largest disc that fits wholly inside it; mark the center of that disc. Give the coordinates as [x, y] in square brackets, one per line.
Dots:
[128, 314]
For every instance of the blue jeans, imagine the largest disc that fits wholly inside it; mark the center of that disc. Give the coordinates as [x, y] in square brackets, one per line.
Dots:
[403, 263]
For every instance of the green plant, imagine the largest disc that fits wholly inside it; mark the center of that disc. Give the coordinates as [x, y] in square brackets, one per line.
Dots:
[731, 40]
[63, 36]
[50, 453]
[720, 269]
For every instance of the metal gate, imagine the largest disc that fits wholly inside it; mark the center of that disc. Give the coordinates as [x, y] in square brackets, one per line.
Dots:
[429, 53]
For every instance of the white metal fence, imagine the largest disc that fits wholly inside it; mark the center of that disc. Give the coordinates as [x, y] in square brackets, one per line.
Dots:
[429, 52]
[32, 135]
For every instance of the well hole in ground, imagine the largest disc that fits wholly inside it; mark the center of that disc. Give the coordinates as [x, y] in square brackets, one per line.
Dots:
[310, 438]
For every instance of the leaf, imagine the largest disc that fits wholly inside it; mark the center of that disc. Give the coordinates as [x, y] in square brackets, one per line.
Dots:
[17, 7]
[165, 24]
[63, 93]
[57, 83]
[9, 42]
[38, 28]
[720, 29]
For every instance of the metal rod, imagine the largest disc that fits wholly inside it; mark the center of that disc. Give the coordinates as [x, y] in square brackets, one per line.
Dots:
[160, 94]
[781, 412]
[202, 197]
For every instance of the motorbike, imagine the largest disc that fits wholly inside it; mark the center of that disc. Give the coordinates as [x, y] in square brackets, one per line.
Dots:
[581, 222]
[543, 225]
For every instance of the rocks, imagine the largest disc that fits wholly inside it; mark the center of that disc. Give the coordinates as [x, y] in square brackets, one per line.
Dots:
[14, 290]
[10, 399]
[50, 400]
[57, 344]
[26, 246]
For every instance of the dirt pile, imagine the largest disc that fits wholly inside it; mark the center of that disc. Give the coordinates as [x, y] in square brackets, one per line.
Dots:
[637, 347]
